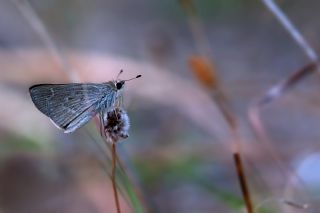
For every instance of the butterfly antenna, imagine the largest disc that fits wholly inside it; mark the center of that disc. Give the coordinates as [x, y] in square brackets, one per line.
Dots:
[138, 76]
[121, 71]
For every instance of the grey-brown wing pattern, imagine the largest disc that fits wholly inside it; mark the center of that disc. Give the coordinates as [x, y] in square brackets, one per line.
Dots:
[69, 105]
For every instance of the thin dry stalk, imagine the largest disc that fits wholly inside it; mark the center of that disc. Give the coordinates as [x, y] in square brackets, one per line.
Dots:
[282, 201]
[291, 29]
[296, 205]
[103, 148]
[205, 72]
[272, 95]
[243, 182]
[196, 27]
[278, 90]
[113, 177]
[37, 25]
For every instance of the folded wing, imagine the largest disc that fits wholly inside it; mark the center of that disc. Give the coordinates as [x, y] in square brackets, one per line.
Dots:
[69, 106]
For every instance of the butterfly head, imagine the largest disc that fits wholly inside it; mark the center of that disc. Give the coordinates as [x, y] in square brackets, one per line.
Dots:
[119, 84]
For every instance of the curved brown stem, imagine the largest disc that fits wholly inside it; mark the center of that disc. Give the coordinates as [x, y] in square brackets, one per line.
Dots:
[113, 177]
[243, 182]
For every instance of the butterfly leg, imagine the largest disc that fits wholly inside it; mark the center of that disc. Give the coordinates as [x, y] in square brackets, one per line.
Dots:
[118, 106]
[102, 125]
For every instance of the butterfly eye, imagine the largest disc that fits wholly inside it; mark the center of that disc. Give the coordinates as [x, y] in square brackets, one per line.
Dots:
[119, 85]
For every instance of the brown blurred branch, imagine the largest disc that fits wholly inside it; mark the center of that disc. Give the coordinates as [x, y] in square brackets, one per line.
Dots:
[273, 94]
[282, 87]
[207, 76]
[243, 182]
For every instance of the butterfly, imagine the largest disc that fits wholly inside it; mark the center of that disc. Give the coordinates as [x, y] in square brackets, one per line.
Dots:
[70, 106]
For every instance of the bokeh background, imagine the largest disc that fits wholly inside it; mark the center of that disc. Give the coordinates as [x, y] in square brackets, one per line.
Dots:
[178, 157]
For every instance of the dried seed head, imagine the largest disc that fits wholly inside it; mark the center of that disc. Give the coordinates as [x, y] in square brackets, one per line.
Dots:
[116, 124]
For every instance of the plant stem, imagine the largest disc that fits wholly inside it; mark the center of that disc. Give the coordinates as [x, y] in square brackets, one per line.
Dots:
[291, 29]
[40, 29]
[242, 181]
[113, 177]
[217, 93]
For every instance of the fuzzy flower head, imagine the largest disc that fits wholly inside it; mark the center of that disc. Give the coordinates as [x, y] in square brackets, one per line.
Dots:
[116, 124]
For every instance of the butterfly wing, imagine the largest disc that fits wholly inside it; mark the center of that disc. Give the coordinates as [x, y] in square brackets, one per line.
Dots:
[70, 106]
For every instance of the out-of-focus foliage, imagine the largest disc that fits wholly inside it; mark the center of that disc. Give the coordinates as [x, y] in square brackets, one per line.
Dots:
[178, 157]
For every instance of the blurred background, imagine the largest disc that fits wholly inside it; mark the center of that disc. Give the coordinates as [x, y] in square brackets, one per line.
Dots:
[178, 157]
